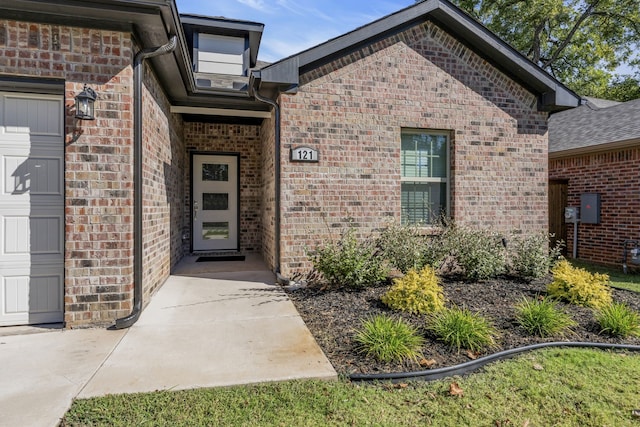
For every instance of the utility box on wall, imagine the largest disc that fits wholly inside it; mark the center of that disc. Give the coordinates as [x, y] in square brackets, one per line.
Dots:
[571, 214]
[590, 208]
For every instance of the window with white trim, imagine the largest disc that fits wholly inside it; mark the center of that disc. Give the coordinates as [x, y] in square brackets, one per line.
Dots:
[424, 160]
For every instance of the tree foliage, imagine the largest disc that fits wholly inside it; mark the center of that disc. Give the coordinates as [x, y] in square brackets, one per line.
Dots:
[580, 42]
[622, 88]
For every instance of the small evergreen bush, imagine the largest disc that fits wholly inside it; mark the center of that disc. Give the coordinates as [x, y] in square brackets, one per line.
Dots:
[578, 286]
[389, 339]
[479, 253]
[416, 292]
[618, 320]
[459, 328]
[530, 256]
[349, 263]
[406, 247]
[542, 317]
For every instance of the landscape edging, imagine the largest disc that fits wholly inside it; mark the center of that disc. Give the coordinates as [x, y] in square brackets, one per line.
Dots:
[467, 367]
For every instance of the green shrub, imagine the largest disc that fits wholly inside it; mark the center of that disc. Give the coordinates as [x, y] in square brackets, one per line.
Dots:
[578, 286]
[416, 292]
[542, 317]
[406, 247]
[479, 253]
[389, 339]
[530, 256]
[348, 262]
[618, 320]
[459, 328]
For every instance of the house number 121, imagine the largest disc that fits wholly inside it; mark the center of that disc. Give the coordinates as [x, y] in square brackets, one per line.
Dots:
[304, 154]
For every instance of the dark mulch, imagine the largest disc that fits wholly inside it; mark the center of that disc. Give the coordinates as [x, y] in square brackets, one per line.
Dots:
[332, 316]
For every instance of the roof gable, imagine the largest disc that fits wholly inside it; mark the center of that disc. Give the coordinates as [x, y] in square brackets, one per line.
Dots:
[552, 95]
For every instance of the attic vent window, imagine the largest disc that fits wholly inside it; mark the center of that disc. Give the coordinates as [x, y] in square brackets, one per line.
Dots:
[220, 55]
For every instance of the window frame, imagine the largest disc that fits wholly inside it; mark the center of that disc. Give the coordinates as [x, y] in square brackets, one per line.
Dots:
[225, 57]
[446, 181]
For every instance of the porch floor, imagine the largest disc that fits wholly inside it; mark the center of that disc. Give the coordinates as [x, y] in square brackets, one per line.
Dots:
[189, 266]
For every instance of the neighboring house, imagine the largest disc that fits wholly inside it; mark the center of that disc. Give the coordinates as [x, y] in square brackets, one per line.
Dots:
[194, 150]
[595, 149]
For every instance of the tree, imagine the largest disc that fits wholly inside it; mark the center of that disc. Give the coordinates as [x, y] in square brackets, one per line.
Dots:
[622, 88]
[580, 42]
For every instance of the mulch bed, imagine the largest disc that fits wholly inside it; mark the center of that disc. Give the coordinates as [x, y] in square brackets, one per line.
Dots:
[333, 315]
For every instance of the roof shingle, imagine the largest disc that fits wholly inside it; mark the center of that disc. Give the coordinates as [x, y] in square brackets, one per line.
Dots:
[593, 124]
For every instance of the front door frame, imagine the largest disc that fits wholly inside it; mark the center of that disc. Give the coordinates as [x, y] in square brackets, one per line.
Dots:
[192, 155]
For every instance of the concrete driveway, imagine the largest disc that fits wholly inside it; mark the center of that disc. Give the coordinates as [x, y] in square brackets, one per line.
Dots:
[205, 327]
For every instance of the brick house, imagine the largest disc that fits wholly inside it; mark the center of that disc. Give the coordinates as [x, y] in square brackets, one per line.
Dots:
[197, 148]
[595, 149]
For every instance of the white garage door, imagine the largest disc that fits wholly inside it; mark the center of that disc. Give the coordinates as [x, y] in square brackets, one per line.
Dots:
[31, 208]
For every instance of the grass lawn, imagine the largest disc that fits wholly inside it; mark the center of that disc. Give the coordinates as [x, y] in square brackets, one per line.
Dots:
[553, 387]
[630, 281]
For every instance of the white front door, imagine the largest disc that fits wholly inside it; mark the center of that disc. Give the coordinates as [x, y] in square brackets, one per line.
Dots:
[31, 208]
[215, 202]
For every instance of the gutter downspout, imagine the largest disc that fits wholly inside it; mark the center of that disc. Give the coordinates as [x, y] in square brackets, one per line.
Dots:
[129, 320]
[278, 162]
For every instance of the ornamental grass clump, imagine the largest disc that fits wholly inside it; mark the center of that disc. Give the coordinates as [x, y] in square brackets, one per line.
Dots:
[619, 320]
[388, 339]
[542, 317]
[578, 286]
[459, 328]
[416, 292]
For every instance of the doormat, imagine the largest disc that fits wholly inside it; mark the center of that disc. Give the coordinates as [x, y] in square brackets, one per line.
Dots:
[220, 258]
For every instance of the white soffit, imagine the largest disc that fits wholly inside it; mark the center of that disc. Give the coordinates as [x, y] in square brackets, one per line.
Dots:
[220, 112]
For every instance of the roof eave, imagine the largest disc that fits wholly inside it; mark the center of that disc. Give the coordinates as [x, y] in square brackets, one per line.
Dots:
[592, 149]
[152, 22]
[116, 15]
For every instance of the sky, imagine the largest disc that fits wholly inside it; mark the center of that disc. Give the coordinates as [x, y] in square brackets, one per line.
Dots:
[292, 26]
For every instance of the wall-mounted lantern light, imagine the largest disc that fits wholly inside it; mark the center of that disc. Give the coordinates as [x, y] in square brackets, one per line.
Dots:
[85, 104]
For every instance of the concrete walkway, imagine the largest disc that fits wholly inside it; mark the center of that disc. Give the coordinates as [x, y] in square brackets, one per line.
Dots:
[205, 327]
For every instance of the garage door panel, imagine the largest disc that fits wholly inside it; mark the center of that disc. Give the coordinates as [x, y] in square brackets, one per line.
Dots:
[16, 295]
[32, 235]
[15, 236]
[45, 235]
[45, 294]
[31, 209]
[34, 175]
[33, 115]
[31, 299]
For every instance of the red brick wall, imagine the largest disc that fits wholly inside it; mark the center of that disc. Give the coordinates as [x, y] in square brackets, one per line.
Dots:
[98, 168]
[615, 175]
[353, 111]
[164, 187]
[242, 139]
[267, 192]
